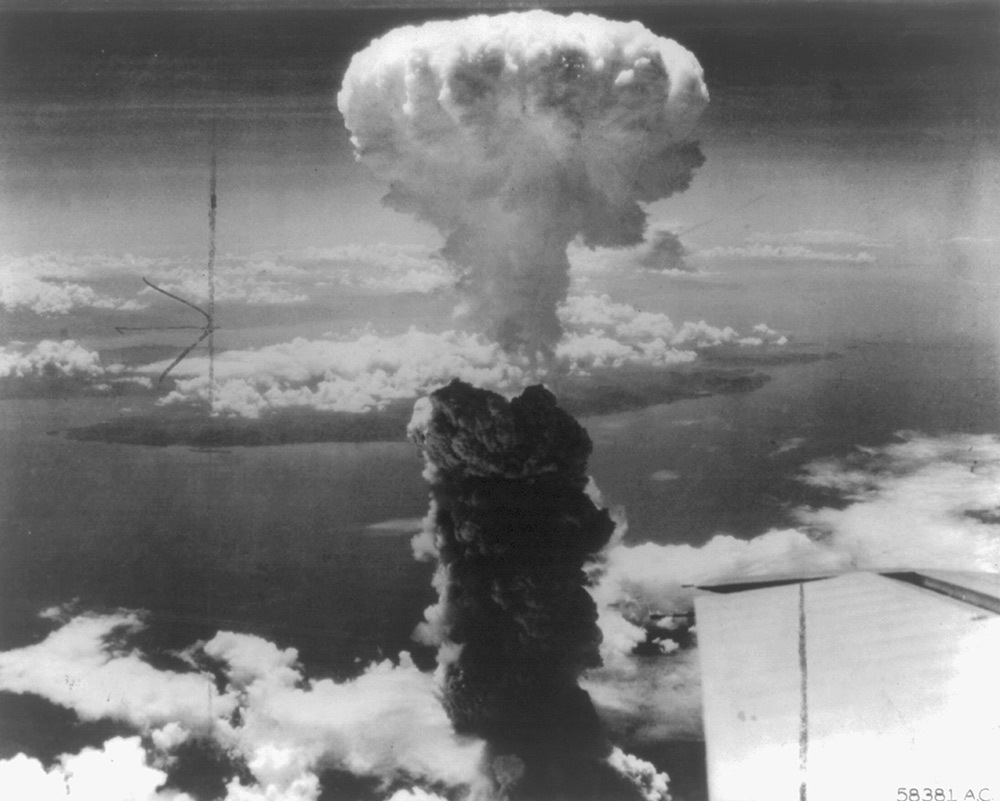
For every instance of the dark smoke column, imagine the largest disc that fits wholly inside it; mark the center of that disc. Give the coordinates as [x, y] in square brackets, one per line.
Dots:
[513, 529]
[517, 133]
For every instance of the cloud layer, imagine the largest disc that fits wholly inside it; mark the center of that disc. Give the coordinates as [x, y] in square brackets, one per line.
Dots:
[61, 283]
[286, 728]
[118, 771]
[372, 370]
[51, 358]
[50, 297]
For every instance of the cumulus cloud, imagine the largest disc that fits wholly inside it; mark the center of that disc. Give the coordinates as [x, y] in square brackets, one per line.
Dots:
[66, 367]
[60, 283]
[284, 727]
[516, 133]
[77, 667]
[414, 794]
[582, 352]
[388, 722]
[311, 274]
[763, 334]
[665, 475]
[372, 370]
[246, 285]
[55, 297]
[422, 281]
[633, 326]
[944, 493]
[348, 376]
[924, 502]
[118, 771]
[652, 785]
[79, 267]
[52, 358]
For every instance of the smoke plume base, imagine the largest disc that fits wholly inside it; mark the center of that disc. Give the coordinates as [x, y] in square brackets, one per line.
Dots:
[513, 528]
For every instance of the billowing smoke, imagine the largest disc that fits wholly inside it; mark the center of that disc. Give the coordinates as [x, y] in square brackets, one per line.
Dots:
[513, 527]
[515, 134]
[665, 253]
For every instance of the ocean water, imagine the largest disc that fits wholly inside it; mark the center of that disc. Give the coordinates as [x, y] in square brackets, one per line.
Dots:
[728, 463]
[270, 539]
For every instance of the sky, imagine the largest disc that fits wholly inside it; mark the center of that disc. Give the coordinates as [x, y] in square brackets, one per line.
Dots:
[781, 334]
[480, 5]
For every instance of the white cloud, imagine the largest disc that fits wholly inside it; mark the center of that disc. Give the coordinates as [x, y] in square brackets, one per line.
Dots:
[372, 370]
[583, 352]
[922, 503]
[116, 772]
[422, 281]
[652, 785]
[77, 667]
[925, 502]
[58, 283]
[387, 722]
[78, 266]
[52, 358]
[230, 287]
[348, 376]
[397, 525]
[597, 310]
[414, 794]
[763, 334]
[665, 475]
[54, 297]
[377, 267]
[631, 325]
[39, 281]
